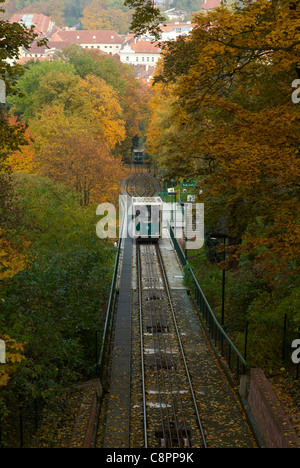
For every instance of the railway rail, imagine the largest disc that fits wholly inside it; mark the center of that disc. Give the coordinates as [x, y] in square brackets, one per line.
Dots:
[139, 184]
[170, 410]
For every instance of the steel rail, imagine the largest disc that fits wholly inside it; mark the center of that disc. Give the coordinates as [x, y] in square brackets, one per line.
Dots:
[161, 350]
[167, 347]
[142, 344]
[161, 387]
[181, 348]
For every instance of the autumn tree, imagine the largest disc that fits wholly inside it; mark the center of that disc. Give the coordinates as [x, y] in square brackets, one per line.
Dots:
[132, 96]
[96, 16]
[237, 127]
[22, 159]
[13, 37]
[24, 104]
[68, 150]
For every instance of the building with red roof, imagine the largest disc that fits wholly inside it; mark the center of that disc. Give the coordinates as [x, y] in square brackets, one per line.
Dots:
[140, 51]
[43, 25]
[106, 41]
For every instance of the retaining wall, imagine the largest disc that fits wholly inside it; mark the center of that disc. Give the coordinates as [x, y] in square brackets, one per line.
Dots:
[273, 423]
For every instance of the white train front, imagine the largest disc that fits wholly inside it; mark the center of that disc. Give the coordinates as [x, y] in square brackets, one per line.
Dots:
[147, 215]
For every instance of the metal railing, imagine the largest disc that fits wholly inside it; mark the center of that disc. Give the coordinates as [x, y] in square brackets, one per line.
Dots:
[109, 311]
[215, 331]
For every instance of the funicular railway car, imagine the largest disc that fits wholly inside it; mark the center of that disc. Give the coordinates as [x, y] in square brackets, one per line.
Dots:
[138, 156]
[147, 216]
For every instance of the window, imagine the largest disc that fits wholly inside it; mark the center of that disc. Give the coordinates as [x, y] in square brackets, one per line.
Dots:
[127, 58]
[152, 59]
[94, 37]
[78, 38]
[148, 59]
[137, 59]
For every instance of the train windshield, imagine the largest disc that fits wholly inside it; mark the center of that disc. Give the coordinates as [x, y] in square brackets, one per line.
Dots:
[147, 219]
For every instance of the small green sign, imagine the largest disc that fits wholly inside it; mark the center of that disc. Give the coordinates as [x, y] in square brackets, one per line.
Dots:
[189, 184]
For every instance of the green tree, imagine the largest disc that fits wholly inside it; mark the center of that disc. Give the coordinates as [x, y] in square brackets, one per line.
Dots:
[55, 303]
[24, 105]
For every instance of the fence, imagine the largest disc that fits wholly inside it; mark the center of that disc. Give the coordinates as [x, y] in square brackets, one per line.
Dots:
[218, 337]
[109, 311]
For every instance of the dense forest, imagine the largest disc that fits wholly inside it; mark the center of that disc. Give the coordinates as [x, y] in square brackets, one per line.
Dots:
[64, 131]
[222, 114]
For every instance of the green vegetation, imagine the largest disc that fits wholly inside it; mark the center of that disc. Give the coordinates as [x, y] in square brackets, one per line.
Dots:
[55, 306]
[71, 122]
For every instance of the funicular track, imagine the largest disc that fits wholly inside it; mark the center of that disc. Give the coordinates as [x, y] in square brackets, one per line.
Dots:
[139, 184]
[163, 371]
[171, 416]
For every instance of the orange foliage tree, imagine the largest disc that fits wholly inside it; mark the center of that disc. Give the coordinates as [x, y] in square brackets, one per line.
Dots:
[233, 126]
[22, 160]
[68, 150]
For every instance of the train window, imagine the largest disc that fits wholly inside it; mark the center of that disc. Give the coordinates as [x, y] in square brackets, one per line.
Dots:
[148, 212]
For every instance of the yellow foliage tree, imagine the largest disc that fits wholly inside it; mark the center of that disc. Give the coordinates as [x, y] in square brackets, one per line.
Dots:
[95, 16]
[71, 150]
[234, 127]
[11, 260]
[101, 107]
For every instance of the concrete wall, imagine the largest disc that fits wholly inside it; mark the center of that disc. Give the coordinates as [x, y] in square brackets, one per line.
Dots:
[269, 415]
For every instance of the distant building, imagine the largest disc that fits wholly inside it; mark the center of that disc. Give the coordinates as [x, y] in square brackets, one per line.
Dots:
[45, 52]
[43, 25]
[107, 41]
[176, 15]
[174, 30]
[140, 51]
[144, 74]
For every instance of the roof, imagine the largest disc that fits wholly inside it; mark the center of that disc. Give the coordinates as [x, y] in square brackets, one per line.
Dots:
[145, 47]
[140, 46]
[25, 60]
[35, 49]
[178, 26]
[144, 73]
[210, 4]
[43, 24]
[88, 37]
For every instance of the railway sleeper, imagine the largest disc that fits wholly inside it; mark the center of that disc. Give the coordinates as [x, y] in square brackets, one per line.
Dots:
[158, 328]
[153, 298]
[170, 437]
[161, 362]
